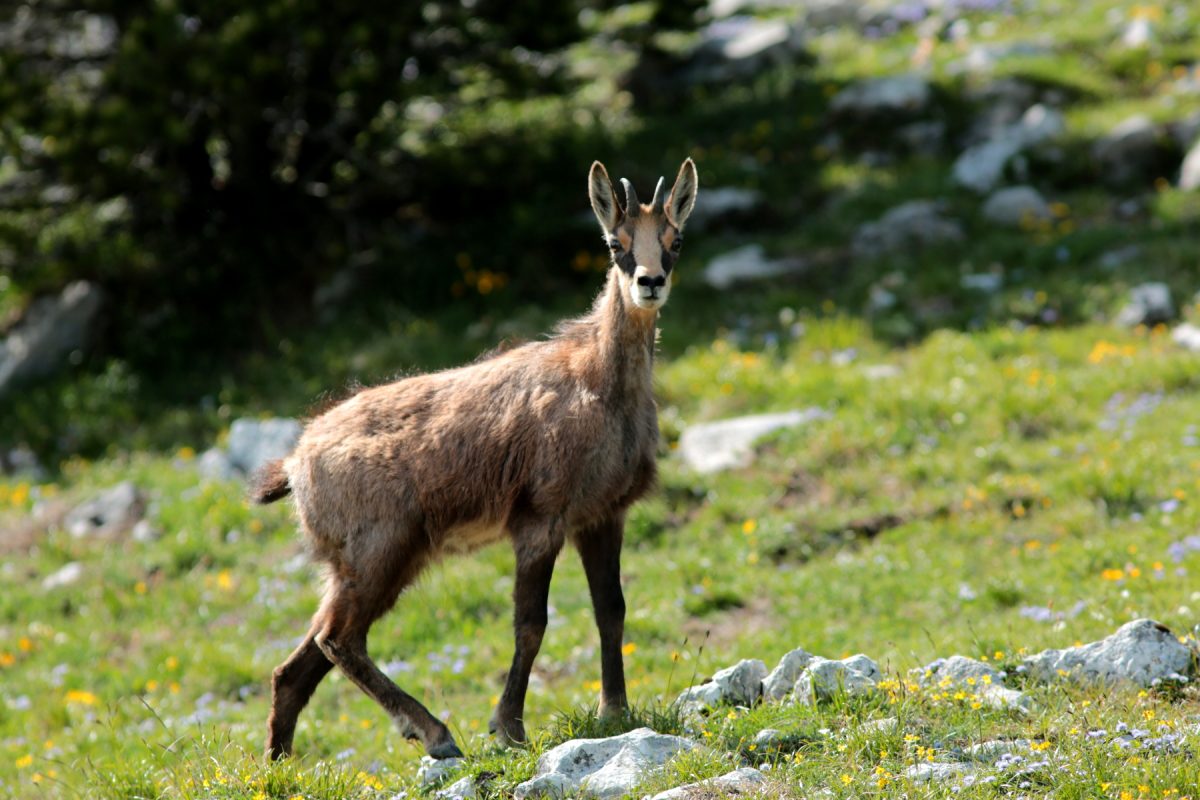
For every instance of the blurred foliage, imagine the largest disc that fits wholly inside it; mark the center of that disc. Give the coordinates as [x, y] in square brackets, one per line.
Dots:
[214, 163]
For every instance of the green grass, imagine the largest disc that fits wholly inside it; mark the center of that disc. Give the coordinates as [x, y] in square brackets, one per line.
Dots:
[1023, 458]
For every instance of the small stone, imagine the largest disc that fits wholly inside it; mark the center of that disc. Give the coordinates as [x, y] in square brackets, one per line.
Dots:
[780, 682]
[988, 752]
[65, 575]
[145, 531]
[254, 442]
[981, 166]
[434, 770]
[824, 679]
[882, 726]
[937, 771]
[743, 782]
[1149, 304]
[1187, 336]
[1140, 652]
[742, 683]
[1128, 152]
[714, 204]
[749, 263]
[915, 223]
[215, 465]
[116, 509]
[888, 96]
[1189, 171]
[462, 789]
[768, 738]
[714, 446]
[1016, 206]
[50, 332]
[604, 768]
[986, 282]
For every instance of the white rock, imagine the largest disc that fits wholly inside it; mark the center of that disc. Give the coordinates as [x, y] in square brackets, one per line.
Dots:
[988, 752]
[604, 768]
[63, 576]
[214, 464]
[885, 725]
[779, 684]
[1139, 652]
[1016, 205]
[433, 770]
[741, 46]
[1128, 151]
[1187, 335]
[1189, 171]
[823, 679]
[462, 789]
[714, 203]
[937, 771]
[748, 263]
[48, 333]
[144, 532]
[1149, 304]
[254, 442]
[1138, 33]
[740, 684]
[879, 96]
[739, 783]
[981, 166]
[977, 677]
[715, 446]
[988, 282]
[114, 509]
[768, 738]
[917, 222]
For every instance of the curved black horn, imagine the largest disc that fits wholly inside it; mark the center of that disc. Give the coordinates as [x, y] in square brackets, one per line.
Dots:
[658, 199]
[631, 201]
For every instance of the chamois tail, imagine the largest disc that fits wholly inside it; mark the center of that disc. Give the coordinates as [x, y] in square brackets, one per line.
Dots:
[270, 483]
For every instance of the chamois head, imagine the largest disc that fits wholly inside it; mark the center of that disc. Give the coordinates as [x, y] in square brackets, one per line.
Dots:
[644, 239]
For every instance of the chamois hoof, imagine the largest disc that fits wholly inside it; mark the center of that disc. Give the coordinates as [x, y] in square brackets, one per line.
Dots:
[443, 750]
[508, 734]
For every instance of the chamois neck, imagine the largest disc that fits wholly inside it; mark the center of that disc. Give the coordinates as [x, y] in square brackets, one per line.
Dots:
[624, 339]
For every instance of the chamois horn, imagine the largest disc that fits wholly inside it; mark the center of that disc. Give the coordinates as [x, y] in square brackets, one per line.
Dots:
[631, 202]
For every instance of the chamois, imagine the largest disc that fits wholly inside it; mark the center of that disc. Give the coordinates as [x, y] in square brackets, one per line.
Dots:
[548, 442]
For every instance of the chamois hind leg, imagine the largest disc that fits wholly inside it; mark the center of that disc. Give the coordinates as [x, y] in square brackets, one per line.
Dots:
[536, 547]
[343, 639]
[292, 684]
[600, 550]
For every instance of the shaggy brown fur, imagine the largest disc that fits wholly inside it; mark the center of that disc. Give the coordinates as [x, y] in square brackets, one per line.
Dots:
[542, 444]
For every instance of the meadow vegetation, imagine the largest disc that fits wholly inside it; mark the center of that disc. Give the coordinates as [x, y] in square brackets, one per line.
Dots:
[999, 472]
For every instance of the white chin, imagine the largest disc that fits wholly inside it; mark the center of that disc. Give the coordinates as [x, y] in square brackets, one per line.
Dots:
[647, 303]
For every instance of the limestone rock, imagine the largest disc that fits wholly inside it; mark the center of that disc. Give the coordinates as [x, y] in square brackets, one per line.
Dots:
[461, 789]
[886, 96]
[937, 771]
[740, 684]
[48, 334]
[981, 166]
[743, 782]
[604, 768]
[1189, 171]
[1014, 206]
[748, 263]
[715, 446]
[1139, 652]
[979, 678]
[824, 679]
[1187, 335]
[988, 752]
[1149, 304]
[780, 682]
[1129, 151]
[915, 223]
[110, 511]
[740, 46]
[433, 770]
[65, 575]
[254, 442]
[714, 204]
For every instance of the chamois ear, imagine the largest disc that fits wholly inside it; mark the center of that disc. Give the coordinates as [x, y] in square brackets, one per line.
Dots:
[604, 198]
[682, 198]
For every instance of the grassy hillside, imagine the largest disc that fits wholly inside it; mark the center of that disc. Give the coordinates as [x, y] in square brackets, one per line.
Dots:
[1000, 472]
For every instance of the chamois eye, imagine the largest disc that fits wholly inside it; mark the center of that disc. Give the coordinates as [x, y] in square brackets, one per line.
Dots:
[614, 244]
[676, 244]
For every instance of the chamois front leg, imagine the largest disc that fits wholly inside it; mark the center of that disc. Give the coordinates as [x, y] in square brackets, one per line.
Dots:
[535, 566]
[600, 549]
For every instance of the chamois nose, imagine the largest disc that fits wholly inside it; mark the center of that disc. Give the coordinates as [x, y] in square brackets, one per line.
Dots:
[654, 283]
